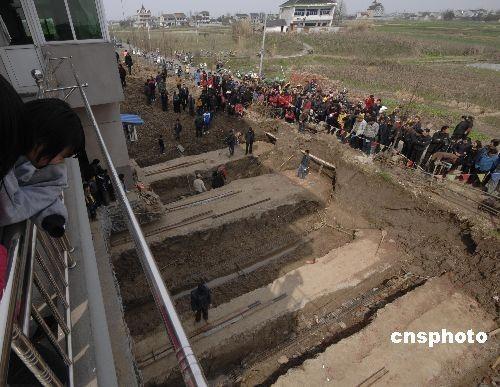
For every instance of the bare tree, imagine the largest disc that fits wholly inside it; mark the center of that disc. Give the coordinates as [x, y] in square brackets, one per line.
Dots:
[340, 12]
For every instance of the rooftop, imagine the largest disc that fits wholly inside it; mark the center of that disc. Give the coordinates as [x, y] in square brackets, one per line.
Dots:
[295, 3]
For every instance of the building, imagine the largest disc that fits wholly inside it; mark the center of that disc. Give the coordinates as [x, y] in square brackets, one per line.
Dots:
[180, 19]
[375, 10]
[168, 20]
[308, 14]
[142, 18]
[277, 25]
[257, 18]
[242, 16]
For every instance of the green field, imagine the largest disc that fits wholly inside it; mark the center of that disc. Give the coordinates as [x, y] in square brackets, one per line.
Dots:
[421, 65]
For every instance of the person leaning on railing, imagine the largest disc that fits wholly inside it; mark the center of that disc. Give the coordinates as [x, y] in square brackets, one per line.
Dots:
[42, 133]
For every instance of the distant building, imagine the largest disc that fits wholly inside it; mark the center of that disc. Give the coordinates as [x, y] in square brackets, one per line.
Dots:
[242, 16]
[167, 20]
[180, 19]
[277, 25]
[202, 17]
[375, 10]
[300, 14]
[142, 18]
[257, 18]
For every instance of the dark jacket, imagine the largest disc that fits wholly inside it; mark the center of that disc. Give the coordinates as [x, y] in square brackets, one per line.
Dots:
[439, 141]
[420, 142]
[128, 60]
[250, 136]
[201, 298]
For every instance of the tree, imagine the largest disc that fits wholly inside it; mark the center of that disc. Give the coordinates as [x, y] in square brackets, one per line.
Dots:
[340, 12]
[448, 15]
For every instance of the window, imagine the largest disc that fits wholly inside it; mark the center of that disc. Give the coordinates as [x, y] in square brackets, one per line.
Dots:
[312, 12]
[324, 12]
[85, 19]
[300, 12]
[13, 23]
[55, 20]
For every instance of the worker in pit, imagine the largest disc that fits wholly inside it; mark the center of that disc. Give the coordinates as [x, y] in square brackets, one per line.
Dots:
[199, 185]
[201, 298]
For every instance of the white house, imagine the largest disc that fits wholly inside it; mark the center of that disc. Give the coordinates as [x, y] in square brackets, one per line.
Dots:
[309, 14]
[167, 20]
[278, 25]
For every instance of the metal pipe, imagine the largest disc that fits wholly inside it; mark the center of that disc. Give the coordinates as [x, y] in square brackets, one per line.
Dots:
[190, 369]
[7, 306]
[32, 359]
[51, 279]
[69, 339]
[48, 300]
[64, 88]
[28, 281]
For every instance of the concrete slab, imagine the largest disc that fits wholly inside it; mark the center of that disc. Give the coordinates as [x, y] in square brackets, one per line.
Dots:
[435, 306]
[188, 165]
[341, 268]
[259, 194]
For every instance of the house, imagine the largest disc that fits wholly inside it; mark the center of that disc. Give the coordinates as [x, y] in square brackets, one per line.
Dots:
[278, 25]
[142, 18]
[180, 19]
[257, 18]
[300, 14]
[242, 16]
[167, 20]
[375, 10]
[202, 17]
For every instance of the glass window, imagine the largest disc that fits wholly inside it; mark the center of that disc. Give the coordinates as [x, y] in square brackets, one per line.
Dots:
[300, 12]
[325, 12]
[312, 12]
[13, 23]
[54, 20]
[85, 19]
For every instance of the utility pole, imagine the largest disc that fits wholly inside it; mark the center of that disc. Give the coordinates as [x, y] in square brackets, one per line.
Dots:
[263, 47]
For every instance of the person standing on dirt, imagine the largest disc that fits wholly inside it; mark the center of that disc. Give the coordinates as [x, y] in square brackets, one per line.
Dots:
[177, 129]
[191, 105]
[123, 75]
[304, 166]
[152, 89]
[177, 103]
[162, 89]
[201, 298]
[439, 143]
[129, 63]
[161, 144]
[198, 125]
[231, 142]
[249, 139]
[147, 92]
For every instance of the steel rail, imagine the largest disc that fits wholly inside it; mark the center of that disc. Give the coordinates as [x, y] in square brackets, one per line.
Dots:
[189, 366]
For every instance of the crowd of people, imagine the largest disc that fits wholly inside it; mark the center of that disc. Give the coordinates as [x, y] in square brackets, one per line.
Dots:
[366, 125]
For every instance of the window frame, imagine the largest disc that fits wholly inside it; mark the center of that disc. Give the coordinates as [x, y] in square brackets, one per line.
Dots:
[312, 12]
[40, 37]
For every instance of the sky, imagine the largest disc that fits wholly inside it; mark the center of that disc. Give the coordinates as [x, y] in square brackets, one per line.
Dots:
[115, 8]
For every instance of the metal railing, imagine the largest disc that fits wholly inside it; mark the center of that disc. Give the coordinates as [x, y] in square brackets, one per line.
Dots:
[188, 363]
[36, 287]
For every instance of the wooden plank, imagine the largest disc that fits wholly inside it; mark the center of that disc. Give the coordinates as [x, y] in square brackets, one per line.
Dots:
[319, 161]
